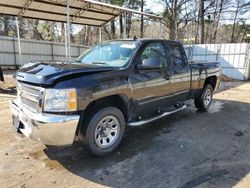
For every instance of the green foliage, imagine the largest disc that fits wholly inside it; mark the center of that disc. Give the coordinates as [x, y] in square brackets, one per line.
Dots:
[45, 29]
[117, 2]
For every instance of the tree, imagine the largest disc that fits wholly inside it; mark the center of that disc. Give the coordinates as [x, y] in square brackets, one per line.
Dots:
[112, 32]
[8, 26]
[201, 21]
[62, 38]
[142, 19]
[132, 4]
[121, 25]
[35, 24]
[114, 2]
[219, 5]
[176, 12]
[241, 7]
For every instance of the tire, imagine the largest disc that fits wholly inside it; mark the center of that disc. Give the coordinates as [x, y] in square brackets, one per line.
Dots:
[205, 100]
[105, 131]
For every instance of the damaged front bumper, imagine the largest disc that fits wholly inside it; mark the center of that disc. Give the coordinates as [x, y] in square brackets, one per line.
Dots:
[49, 129]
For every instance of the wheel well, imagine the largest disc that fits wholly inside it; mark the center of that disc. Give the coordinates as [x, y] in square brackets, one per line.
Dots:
[211, 80]
[119, 101]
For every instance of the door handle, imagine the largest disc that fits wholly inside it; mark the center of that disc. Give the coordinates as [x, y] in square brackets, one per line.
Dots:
[166, 77]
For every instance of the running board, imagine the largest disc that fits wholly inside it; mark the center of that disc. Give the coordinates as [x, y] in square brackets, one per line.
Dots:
[142, 122]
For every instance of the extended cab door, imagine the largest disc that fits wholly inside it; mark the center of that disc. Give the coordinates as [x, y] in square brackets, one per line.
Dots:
[180, 71]
[151, 87]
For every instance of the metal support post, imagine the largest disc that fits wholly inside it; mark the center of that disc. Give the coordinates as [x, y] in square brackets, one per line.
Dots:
[68, 32]
[19, 42]
[66, 43]
[14, 52]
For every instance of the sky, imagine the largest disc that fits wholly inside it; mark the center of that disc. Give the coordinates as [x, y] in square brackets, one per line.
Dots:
[157, 7]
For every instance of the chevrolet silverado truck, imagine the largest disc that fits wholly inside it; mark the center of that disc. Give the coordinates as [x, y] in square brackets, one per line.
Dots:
[110, 86]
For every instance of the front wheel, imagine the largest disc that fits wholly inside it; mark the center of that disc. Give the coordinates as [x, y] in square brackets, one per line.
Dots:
[205, 100]
[105, 131]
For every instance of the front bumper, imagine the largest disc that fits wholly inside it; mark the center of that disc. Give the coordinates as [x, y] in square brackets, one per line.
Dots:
[49, 129]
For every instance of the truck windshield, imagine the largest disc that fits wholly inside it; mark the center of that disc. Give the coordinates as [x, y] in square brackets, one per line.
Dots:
[115, 54]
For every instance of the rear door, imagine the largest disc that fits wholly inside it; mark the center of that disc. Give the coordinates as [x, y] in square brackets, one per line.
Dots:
[180, 78]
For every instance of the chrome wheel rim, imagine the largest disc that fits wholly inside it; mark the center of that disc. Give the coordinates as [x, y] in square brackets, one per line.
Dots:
[207, 97]
[107, 131]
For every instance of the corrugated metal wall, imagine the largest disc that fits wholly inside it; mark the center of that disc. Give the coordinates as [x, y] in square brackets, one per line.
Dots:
[34, 50]
[234, 57]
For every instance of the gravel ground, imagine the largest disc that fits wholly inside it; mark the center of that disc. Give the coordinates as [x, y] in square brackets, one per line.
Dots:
[187, 149]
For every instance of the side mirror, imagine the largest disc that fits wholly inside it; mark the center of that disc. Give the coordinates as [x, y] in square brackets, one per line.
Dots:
[150, 63]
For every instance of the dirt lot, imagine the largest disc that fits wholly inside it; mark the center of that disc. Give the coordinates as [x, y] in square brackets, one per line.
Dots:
[184, 150]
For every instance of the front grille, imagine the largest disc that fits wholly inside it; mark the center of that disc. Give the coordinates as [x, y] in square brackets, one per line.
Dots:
[30, 96]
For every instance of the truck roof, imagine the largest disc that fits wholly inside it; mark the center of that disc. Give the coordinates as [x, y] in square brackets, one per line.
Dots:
[146, 39]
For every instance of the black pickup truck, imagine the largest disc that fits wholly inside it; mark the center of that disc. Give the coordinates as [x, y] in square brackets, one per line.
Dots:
[110, 86]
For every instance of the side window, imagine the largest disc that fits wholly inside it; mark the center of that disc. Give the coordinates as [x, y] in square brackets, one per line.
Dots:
[154, 50]
[176, 55]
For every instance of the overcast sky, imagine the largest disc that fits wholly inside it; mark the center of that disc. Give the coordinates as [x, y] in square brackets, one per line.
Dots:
[157, 7]
[154, 6]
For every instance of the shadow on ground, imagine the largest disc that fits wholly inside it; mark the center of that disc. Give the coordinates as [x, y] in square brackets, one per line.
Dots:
[184, 150]
[9, 90]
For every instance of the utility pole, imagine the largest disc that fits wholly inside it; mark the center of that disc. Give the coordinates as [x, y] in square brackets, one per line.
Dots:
[201, 24]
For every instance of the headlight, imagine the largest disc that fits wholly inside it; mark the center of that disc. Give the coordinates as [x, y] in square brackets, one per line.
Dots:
[60, 100]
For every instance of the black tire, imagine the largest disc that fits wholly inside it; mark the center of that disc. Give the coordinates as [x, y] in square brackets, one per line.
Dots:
[94, 144]
[202, 103]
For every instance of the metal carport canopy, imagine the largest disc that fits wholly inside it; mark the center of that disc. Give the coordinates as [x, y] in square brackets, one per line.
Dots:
[85, 12]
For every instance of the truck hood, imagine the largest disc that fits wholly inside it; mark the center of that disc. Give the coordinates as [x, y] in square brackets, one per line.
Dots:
[46, 73]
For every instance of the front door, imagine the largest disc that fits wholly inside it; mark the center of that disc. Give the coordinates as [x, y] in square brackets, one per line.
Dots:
[151, 87]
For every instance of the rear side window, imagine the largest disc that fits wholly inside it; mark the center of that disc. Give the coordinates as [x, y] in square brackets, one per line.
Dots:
[176, 55]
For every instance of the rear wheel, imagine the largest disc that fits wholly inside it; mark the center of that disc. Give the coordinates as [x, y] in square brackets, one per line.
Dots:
[205, 100]
[105, 131]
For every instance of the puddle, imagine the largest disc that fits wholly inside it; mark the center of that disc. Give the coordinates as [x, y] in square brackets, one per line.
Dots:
[36, 154]
[53, 164]
[215, 107]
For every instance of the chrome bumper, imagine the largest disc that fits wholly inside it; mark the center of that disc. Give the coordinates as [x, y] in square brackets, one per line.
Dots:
[49, 129]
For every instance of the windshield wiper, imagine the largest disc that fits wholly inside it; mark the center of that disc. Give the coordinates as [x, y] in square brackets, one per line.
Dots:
[99, 62]
[78, 61]
[94, 62]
